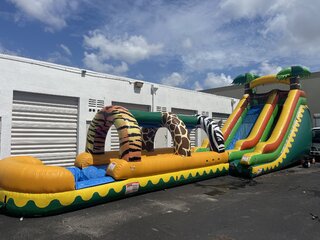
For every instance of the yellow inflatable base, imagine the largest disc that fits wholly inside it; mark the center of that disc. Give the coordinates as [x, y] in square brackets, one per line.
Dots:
[40, 204]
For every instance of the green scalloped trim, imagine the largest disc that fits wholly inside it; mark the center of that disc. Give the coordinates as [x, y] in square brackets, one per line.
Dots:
[55, 207]
[296, 150]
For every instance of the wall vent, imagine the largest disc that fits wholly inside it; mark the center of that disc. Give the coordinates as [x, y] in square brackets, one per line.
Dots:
[95, 105]
[204, 113]
[161, 109]
[100, 104]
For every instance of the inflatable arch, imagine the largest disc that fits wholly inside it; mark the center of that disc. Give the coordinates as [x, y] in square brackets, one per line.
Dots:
[215, 136]
[213, 131]
[130, 133]
[178, 131]
[128, 130]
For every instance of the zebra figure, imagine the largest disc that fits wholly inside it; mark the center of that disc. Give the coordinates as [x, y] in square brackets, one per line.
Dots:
[213, 131]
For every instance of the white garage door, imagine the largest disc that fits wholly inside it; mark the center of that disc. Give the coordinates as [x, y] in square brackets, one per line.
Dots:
[45, 126]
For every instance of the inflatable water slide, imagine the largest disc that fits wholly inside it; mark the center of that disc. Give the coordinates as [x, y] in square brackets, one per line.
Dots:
[269, 131]
[266, 132]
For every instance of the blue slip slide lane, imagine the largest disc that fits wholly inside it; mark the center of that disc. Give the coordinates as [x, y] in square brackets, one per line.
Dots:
[247, 124]
[90, 176]
[93, 182]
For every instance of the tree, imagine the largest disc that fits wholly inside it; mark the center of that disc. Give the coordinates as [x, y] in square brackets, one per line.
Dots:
[244, 78]
[293, 72]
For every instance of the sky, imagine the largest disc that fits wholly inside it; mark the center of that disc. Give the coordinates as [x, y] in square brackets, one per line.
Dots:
[193, 44]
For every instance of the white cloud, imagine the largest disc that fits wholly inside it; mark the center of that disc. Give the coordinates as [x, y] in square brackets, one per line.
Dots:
[215, 59]
[61, 56]
[187, 43]
[103, 51]
[175, 79]
[266, 68]
[193, 33]
[197, 86]
[58, 57]
[66, 49]
[237, 9]
[195, 38]
[213, 81]
[4, 50]
[295, 25]
[287, 28]
[215, 35]
[94, 62]
[129, 49]
[53, 13]
[139, 76]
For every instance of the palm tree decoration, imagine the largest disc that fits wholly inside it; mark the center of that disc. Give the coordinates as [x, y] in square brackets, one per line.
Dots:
[244, 78]
[293, 72]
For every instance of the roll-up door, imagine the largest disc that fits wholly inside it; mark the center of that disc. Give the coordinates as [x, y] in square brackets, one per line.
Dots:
[113, 130]
[220, 117]
[194, 132]
[45, 126]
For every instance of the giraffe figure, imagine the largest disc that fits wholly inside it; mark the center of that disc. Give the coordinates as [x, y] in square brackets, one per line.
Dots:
[178, 132]
[148, 135]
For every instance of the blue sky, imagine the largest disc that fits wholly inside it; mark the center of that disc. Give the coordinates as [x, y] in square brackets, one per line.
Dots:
[184, 43]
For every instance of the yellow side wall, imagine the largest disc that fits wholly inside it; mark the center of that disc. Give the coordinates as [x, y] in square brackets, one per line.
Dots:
[164, 163]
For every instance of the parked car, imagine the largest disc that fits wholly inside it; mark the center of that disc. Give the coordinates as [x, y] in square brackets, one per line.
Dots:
[315, 147]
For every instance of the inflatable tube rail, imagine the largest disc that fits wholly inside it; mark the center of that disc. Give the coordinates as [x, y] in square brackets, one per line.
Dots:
[153, 165]
[29, 175]
[235, 115]
[268, 79]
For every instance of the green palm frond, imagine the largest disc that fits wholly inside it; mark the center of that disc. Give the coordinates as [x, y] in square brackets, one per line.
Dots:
[244, 78]
[293, 71]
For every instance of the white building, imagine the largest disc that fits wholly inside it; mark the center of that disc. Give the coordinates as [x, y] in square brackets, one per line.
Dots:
[45, 108]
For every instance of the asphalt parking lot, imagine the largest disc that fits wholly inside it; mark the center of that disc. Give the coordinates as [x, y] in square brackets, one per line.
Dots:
[281, 205]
